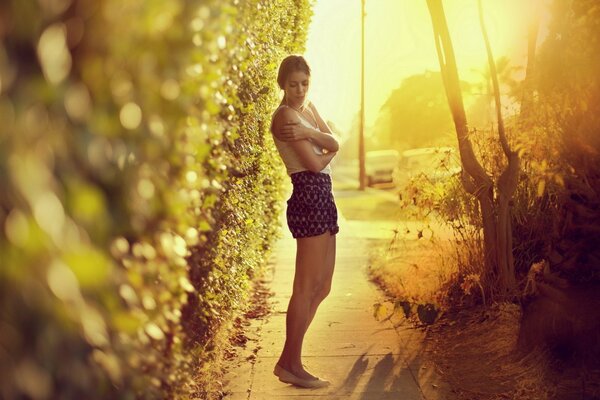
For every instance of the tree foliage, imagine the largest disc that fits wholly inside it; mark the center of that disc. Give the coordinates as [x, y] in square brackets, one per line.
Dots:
[554, 213]
[417, 113]
[561, 143]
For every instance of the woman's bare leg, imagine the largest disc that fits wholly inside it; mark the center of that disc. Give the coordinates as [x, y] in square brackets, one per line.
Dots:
[311, 258]
[326, 279]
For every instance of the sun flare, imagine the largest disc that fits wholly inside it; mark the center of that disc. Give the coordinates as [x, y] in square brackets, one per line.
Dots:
[398, 44]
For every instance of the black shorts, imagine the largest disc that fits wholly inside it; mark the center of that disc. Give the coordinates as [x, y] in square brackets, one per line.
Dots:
[311, 209]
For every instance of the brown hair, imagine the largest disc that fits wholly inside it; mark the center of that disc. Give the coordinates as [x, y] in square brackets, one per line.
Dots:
[291, 64]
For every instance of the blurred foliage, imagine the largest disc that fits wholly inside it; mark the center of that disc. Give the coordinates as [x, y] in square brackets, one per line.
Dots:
[416, 114]
[561, 143]
[138, 193]
[556, 208]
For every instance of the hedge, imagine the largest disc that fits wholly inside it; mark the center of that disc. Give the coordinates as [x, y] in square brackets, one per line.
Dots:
[140, 188]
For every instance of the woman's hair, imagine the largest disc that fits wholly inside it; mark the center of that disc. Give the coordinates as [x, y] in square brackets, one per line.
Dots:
[291, 64]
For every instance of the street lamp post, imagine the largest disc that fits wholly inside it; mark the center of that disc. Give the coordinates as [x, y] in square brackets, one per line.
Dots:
[361, 133]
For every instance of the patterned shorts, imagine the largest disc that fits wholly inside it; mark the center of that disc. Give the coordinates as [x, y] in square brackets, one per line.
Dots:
[311, 209]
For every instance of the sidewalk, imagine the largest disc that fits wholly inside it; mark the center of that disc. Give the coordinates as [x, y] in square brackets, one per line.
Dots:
[362, 357]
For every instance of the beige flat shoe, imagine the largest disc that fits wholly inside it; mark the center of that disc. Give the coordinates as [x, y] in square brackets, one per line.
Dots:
[278, 368]
[287, 377]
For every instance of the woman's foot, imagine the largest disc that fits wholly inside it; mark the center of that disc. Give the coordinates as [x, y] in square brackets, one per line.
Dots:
[288, 377]
[299, 371]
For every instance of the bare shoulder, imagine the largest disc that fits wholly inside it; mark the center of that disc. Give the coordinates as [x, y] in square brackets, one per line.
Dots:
[283, 116]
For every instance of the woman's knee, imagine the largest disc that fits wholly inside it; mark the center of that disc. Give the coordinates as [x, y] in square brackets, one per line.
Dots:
[312, 286]
[323, 291]
[307, 291]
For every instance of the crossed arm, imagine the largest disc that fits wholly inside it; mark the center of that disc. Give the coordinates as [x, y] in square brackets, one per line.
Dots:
[299, 138]
[293, 130]
[324, 136]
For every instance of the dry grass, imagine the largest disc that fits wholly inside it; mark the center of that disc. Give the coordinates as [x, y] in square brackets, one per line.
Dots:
[474, 349]
[475, 352]
[414, 269]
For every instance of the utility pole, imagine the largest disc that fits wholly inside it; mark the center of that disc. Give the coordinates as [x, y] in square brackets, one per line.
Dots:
[361, 133]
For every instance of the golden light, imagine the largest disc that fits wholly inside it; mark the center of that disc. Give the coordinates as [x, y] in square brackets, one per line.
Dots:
[54, 7]
[119, 247]
[121, 87]
[16, 228]
[180, 246]
[148, 302]
[191, 236]
[153, 331]
[191, 176]
[131, 116]
[128, 294]
[197, 40]
[221, 42]
[173, 245]
[49, 214]
[63, 282]
[399, 43]
[157, 128]
[170, 89]
[194, 70]
[53, 53]
[186, 284]
[94, 327]
[78, 102]
[109, 362]
[197, 24]
[148, 251]
[145, 188]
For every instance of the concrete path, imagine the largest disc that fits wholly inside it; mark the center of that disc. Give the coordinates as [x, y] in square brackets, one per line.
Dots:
[362, 357]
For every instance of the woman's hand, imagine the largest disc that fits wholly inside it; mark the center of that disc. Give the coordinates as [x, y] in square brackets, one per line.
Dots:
[293, 131]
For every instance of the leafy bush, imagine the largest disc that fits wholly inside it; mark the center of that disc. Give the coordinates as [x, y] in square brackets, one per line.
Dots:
[139, 194]
[566, 155]
[555, 208]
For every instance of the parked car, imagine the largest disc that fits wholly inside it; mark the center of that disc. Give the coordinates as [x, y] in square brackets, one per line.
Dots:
[381, 165]
[435, 163]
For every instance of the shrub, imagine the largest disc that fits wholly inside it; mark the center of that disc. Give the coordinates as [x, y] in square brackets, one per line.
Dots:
[139, 194]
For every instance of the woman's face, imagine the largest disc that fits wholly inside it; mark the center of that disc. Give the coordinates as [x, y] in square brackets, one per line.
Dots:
[296, 88]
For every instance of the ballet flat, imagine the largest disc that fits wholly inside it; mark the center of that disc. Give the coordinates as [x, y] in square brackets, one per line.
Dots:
[287, 377]
[278, 369]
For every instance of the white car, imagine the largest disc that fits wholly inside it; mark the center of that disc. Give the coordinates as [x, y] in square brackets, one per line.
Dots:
[381, 165]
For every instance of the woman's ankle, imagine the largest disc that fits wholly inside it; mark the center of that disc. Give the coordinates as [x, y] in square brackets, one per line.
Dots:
[289, 365]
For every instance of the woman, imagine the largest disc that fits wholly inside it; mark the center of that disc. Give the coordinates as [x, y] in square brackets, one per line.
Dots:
[307, 146]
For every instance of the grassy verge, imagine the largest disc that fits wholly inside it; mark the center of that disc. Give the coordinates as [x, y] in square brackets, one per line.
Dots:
[473, 348]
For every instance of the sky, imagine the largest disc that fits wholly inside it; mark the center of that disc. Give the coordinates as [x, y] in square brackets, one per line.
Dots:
[399, 43]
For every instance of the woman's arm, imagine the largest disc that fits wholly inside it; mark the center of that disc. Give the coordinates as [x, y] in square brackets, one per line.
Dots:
[325, 137]
[325, 140]
[309, 159]
[292, 130]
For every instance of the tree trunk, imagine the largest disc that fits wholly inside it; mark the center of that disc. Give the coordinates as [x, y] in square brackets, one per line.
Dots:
[497, 233]
[507, 183]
